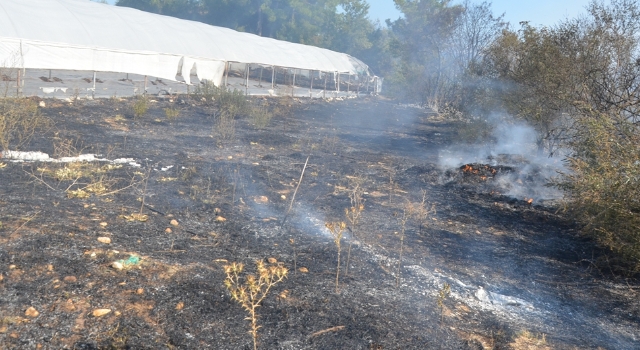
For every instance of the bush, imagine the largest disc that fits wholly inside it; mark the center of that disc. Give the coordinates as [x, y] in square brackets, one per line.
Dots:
[229, 105]
[140, 107]
[604, 187]
[171, 113]
[20, 119]
[261, 116]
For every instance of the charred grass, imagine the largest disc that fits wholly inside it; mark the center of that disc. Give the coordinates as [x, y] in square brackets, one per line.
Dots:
[420, 247]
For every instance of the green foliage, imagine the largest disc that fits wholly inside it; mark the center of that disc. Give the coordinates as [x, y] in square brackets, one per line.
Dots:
[229, 105]
[140, 107]
[318, 23]
[261, 116]
[604, 185]
[20, 119]
[171, 113]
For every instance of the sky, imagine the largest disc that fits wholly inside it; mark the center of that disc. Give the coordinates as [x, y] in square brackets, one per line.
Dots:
[537, 12]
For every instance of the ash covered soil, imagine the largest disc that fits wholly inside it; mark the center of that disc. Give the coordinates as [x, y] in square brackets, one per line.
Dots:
[519, 274]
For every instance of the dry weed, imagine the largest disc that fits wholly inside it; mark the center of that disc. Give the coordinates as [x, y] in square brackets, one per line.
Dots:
[250, 291]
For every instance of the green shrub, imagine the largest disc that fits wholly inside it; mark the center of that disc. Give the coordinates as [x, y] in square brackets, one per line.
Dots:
[140, 107]
[20, 119]
[261, 116]
[171, 113]
[603, 187]
[229, 105]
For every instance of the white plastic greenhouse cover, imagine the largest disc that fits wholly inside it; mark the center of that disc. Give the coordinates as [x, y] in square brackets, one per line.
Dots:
[84, 35]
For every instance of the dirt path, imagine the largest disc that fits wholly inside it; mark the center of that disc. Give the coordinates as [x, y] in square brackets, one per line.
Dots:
[510, 266]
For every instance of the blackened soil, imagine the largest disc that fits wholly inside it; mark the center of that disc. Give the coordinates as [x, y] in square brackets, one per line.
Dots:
[510, 266]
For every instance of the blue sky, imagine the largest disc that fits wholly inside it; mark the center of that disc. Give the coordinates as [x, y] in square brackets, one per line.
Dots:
[537, 12]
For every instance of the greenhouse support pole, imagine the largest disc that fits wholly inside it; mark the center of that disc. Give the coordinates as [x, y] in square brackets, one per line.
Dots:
[145, 85]
[348, 85]
[293, 83]
[273, 76]
[367, 86]
[311, 84]
[93, 94]
[338, 84]
[49, 74]
[358, 88]
[324, 92]
[260, 78]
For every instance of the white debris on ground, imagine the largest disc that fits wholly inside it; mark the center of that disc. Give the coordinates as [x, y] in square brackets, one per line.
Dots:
[19, 156]
[476, 297]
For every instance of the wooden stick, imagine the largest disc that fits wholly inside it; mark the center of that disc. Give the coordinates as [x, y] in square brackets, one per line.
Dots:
[332, 329]
[294, 192]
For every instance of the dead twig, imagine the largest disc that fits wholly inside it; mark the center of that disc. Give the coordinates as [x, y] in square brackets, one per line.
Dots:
[39, 179]
[26, 222]
[294, 193]
[332, 329]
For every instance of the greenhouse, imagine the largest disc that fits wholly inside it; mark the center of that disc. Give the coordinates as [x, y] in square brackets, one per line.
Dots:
[94, 38]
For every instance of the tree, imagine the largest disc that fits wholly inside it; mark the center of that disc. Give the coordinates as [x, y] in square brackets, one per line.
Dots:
[420, 42]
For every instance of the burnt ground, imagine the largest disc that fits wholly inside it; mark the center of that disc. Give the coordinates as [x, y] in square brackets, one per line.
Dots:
[512, 267]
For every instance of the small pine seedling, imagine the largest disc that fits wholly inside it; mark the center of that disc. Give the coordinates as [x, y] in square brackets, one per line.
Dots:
[251, 292]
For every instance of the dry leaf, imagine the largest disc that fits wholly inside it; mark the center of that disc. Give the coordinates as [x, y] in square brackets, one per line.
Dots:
[272, 260]
[105, 240]
[31, 312]
[70, 279]
[303, 270]
[174, 222]
[220, 219]
[100, 312]
[180, 306]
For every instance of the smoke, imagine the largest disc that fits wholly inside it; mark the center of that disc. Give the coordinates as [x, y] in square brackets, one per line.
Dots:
[527, 171]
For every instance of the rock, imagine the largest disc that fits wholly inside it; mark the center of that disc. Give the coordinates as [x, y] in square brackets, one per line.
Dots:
[168, 230]
[103, 224]
[174, 222]
[482, 295]
[42, 104]
[12, 267]
[49, 267]
[303, 269]
[272, 260]
[117, 265]
[180, 306]
[139, 291]
[70, 279]
[283, 197]
[100, 312]
[105, 240]
[31, 312]
[220, 219]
